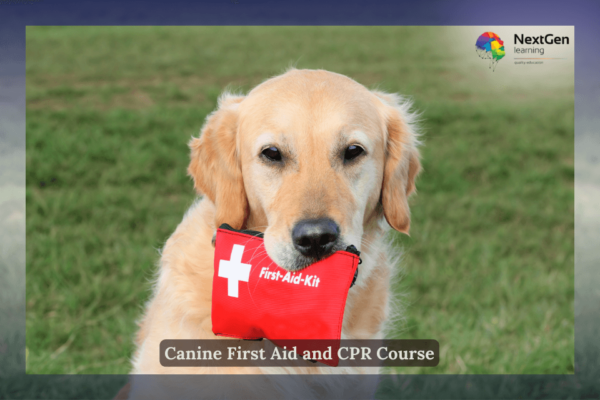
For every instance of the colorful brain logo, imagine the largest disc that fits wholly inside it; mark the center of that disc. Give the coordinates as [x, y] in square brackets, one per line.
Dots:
[489, 46]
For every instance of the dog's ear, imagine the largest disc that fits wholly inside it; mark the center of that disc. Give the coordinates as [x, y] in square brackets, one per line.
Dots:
[215, 164]
[402, 163]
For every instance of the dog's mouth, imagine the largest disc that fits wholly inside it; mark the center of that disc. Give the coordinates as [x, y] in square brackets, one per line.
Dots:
[314, 239]
[292, 260]
[303, 250]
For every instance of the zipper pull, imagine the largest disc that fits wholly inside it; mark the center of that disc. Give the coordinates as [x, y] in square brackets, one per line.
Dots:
[352, 249]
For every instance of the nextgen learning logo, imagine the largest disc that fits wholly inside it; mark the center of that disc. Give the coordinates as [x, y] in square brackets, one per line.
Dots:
[489, 46]
[528, 47]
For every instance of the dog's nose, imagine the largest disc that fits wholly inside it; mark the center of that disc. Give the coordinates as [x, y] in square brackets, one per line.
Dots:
[315, 237]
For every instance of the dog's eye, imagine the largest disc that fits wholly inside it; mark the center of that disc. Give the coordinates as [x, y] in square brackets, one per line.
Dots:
[352, 152]
[272, 153]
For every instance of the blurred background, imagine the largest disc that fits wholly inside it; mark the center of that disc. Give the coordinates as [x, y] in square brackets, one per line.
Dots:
[487, 271]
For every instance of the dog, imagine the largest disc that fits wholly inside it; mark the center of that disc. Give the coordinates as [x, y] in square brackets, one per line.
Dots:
[317, 162]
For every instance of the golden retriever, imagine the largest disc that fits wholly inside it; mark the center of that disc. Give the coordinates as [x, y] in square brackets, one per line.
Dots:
[317, 162]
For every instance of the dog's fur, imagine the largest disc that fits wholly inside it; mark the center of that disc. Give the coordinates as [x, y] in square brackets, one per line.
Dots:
[312, 116]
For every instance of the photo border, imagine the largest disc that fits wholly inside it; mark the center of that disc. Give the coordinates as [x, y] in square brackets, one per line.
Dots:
[16, 15]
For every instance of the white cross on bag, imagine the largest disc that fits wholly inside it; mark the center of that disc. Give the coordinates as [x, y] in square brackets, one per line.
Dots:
[234, 270]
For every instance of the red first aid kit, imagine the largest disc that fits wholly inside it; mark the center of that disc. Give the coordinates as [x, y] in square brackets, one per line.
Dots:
[254, 298]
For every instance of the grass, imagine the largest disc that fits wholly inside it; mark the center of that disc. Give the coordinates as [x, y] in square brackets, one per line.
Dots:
[489, 266]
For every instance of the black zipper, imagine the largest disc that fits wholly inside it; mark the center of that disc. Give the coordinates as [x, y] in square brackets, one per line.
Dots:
[245, 231]
[352, 249]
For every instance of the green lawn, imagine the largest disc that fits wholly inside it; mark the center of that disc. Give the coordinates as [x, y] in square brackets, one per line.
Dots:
[488, 269]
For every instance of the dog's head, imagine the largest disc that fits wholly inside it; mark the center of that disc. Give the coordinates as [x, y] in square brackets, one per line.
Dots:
[310, 158]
